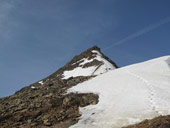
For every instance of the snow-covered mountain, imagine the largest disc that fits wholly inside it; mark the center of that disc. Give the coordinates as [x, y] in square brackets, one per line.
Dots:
[90, 91]
[46, 103]
[127, 95]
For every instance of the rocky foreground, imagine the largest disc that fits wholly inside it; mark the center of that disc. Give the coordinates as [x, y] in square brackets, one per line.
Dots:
[158, 122]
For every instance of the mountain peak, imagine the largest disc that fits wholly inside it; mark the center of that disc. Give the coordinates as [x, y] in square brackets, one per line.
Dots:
[95, 47]
[91, 62]
[46, 103]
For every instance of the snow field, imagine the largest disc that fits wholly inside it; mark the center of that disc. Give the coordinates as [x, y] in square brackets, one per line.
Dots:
[127, 95]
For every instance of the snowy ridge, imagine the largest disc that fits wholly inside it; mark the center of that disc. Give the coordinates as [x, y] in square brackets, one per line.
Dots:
[91, 70]
[102, 68]
[127, 95]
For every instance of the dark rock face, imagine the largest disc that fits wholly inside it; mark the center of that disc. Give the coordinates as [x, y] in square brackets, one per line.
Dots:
[158, 122]
[47, 103]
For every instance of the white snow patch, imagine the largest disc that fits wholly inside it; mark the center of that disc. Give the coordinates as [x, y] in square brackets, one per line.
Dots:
[77, 62]
[98, 53]
[85, 61]
[41, 82]
[79, 71]
[33, 87]
[127, 95]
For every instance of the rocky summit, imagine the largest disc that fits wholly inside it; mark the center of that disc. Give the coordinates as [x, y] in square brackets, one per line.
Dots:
[46, 103]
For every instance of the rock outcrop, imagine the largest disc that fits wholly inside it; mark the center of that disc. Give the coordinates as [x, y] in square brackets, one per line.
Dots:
[158, 122]
[46, 103]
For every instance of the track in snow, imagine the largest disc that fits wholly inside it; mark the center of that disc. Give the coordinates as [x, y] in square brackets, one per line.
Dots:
[127, 95]
[150, 89]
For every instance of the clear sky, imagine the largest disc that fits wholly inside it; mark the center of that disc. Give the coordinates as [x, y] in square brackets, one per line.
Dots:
[39, 36]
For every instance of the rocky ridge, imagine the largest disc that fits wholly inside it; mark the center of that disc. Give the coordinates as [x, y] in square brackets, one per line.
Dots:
[46, 103]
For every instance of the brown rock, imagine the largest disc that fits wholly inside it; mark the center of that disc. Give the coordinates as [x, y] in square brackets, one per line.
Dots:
[47, 122]
[49, 105]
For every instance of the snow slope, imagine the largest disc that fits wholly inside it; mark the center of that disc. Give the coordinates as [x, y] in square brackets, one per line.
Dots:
[127, 95]
[92, 70]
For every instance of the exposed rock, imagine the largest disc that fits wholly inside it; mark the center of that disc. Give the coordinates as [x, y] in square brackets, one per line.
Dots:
[158, 122]
[46, 103]
[47, 122]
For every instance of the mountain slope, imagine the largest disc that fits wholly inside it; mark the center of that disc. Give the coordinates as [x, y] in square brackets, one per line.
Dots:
[106, 98]
[127, 95]
[46, 102]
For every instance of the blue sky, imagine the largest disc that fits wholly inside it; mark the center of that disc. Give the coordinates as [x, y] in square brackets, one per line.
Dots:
[39, 36]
